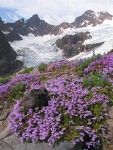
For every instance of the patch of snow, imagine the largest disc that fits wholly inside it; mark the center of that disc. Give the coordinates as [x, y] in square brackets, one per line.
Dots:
[31, 28]
[5, 32]
[97, 14]
[82, 23]
[10, 28]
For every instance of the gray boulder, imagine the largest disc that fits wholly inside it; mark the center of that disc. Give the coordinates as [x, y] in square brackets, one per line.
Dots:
[35, 98]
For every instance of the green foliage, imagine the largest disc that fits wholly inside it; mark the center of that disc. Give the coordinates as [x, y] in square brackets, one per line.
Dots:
[108, 91]
[64, 66]
[94, 79]
[27, 70]
[98, 56]
[110, 94]
[88, 61]
[17, 92]
[72, 133]
[4, 80]
[42, 67]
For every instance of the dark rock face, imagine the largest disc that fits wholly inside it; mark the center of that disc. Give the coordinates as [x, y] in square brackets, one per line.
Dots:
[91, 18]
[35, 98]
[8, 63]
[37, 27]
[59, 29]
[89, 47]
[13, 36]
[1, 22]
[73, 44]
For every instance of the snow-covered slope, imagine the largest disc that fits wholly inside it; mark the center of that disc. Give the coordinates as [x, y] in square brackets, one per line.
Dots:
[35, 50]
[100, 33]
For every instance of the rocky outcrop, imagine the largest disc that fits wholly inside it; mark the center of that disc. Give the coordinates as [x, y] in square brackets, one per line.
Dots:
[90, 47]
[13, 36]
[35, 98]
[8, 62]
[73, 44]
[13, 143]
[91, 18]
[60, 28]
[37, 26]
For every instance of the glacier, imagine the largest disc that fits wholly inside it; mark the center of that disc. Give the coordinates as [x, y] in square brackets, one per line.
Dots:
[42, 49]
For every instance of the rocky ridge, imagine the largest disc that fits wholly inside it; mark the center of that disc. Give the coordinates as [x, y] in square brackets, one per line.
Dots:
[38, 27]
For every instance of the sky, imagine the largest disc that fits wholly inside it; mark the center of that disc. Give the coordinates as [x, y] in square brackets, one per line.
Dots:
[52, 11]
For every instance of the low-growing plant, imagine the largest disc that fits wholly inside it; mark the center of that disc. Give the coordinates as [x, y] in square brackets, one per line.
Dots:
[17, 92]
[87, 61]
[27, 70]
[95, 79]
[4, 80]
[42, 67]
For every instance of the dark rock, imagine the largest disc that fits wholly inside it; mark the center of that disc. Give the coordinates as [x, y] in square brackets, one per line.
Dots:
[60, 28]
[13, 142]
[89, 47]
[1, 21]
[8, 62]
[73, 44]
[35, 99]
[13, 36]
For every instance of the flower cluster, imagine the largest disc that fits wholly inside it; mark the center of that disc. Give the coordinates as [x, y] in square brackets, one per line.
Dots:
[56, 65]
[71, 114]
[103, 65]
[28, 79]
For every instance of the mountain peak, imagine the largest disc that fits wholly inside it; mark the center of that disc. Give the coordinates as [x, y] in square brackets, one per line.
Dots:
[91, 18]
[35, 16]
[89, 12]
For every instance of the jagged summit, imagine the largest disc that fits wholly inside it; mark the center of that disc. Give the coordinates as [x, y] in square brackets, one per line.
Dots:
[89, 12]
[35, 16]
[91, 18]
[33, 21]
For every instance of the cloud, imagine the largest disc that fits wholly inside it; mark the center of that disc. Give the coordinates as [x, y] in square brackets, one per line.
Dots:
[55, 11]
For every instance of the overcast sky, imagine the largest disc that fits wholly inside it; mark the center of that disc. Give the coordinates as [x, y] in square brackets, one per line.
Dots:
[52, 11]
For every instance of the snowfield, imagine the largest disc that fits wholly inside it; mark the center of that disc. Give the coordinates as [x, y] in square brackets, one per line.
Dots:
[41, 49]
